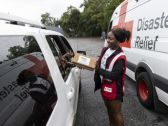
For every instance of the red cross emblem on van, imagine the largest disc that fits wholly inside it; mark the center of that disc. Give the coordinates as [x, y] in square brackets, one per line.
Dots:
[123, 24]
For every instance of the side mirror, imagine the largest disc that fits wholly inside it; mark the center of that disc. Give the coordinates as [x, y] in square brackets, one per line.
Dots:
[82, 52]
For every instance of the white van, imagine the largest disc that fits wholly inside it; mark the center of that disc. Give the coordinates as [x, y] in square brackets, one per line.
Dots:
[147, 50]
[39, 51]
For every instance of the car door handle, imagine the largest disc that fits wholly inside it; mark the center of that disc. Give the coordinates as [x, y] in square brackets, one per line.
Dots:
[70, 93]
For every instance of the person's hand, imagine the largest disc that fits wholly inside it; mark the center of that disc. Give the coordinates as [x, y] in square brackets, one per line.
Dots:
[68, 55]
[66, 59]
[63, 62]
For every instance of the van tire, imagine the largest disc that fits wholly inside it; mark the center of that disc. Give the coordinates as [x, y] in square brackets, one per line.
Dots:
[145, 90]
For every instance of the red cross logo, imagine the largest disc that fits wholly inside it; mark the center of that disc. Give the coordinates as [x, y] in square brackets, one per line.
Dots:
[123, 24]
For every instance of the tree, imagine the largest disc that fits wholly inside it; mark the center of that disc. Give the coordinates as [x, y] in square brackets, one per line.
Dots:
[97, 14]
[48, 20]
[92, 21]
[92, 17]
[70, 21]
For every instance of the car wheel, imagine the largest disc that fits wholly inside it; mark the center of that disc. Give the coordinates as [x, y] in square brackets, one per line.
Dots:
[145, 90]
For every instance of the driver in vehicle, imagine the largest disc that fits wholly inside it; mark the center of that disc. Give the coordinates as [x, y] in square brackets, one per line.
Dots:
[42, 90]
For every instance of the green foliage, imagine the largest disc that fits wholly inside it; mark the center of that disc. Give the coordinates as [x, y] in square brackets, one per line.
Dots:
[91, 22]
[48, 20]
[93, 17]
[70, 21]
[97, 14]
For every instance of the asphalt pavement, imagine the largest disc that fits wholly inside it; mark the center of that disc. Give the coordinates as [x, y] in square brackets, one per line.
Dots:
[91, 109]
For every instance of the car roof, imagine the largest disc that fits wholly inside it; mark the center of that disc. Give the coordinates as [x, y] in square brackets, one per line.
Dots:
[13, 25]
[11, 29]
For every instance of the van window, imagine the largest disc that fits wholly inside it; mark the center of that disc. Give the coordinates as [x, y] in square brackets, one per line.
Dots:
[59, 48]
[26, 89]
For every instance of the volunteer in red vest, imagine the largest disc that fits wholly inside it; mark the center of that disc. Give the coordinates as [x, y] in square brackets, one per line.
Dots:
[110, 73]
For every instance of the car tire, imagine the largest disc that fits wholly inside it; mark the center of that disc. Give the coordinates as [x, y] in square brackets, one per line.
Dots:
[145, 90]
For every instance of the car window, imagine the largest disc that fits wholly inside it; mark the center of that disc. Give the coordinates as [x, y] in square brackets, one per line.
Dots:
[27, 93]
[57, 42]
[65, 43]
[60, 49]
[57, 54]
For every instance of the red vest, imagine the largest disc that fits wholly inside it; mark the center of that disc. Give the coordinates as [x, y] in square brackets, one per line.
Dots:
[109, 88]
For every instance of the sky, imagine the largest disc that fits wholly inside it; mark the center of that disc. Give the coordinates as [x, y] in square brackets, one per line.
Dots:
[32, 9]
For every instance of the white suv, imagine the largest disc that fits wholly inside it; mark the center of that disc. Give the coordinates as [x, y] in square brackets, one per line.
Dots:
[39, 51]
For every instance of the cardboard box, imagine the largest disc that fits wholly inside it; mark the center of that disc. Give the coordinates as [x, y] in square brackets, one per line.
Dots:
[84, 62]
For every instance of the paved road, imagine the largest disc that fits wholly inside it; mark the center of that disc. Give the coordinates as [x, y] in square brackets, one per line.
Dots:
[91, 110]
